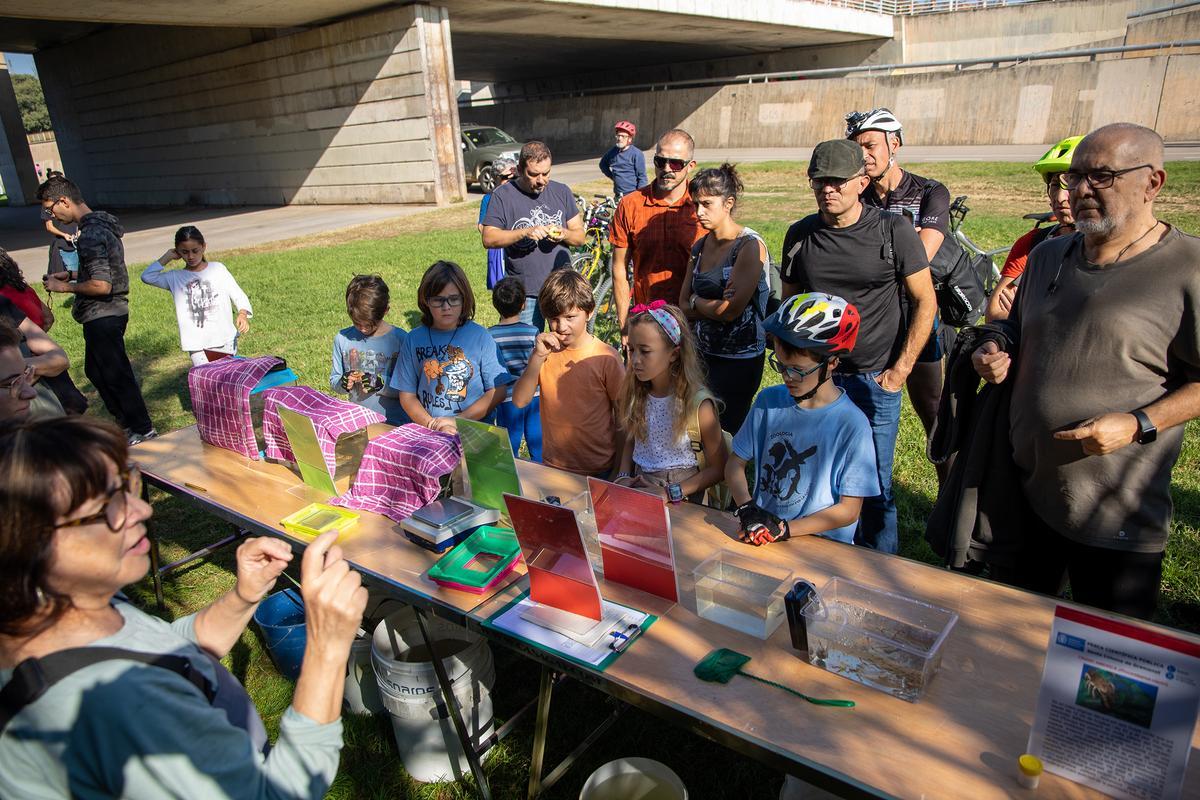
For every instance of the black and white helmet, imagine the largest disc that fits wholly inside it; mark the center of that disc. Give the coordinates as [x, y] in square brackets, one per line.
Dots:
[877, 119]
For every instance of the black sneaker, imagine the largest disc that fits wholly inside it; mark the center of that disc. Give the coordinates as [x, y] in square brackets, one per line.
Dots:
[138, 438]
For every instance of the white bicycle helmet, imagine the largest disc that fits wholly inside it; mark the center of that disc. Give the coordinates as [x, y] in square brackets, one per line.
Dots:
[814, 321]
[877, 119]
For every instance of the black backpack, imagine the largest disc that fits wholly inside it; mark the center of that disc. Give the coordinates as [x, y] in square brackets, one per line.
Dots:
[33, 677]
[958, 281]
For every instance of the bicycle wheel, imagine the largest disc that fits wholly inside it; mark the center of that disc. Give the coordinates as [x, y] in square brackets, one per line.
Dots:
[586, 264]
[604, 321]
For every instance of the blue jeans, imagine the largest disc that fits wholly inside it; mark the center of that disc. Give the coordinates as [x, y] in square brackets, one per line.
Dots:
[877, 526]
[532, 315]
[526, 422]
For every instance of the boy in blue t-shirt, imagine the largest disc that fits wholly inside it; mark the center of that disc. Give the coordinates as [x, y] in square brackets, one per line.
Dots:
[812, 448]
[365, 354]
[514, 343]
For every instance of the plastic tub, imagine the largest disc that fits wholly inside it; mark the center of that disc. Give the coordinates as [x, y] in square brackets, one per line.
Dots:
[633, 779]
[880, 639]
[741, 593]
[281, 619]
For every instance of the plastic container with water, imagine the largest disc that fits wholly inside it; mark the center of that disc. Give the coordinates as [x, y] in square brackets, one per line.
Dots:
[880, 639]
[742, 593]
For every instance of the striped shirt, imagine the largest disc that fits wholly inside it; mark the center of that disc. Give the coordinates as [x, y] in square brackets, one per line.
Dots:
[514, 345]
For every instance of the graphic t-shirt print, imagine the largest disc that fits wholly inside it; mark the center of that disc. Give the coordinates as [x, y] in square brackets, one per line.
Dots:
[448, 372]
[781, 472]
[373, 365]
[201, 298]
[538, 215]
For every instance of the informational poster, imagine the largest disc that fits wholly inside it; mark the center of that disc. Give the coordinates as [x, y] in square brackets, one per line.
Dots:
[634, 529]
[491, 468]
[1117, 706]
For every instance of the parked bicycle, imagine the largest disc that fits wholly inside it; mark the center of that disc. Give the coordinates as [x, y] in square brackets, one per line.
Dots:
[958, 212]
[593, 260]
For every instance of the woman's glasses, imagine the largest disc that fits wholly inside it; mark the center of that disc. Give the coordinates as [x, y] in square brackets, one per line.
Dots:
[116, 507]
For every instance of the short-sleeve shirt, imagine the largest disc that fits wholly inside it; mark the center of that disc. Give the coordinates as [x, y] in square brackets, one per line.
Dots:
[806, 460]
[1108, 338]
[659, 237]
[851, 263]
[1018, 254]
[511, 208]
[376, 357]
[579, 390]
[447, 370]
[923, 201]
[514, 343]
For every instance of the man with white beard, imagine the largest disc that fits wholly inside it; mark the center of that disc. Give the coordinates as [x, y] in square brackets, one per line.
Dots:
[1103, 353]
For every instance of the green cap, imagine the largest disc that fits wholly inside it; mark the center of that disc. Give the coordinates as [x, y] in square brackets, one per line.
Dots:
[837, 158]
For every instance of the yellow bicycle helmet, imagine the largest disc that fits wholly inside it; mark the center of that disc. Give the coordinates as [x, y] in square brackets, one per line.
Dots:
[1058, 157]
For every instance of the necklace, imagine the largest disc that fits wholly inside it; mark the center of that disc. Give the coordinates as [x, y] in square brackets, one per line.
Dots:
[1135, 241]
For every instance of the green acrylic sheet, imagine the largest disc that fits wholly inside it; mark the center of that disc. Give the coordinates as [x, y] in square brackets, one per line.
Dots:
[491, 468]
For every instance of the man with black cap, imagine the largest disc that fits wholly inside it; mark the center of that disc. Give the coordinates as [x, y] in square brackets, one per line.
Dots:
[865, 256]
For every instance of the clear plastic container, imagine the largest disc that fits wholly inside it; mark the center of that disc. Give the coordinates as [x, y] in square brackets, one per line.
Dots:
[741, 593]
[883, 640]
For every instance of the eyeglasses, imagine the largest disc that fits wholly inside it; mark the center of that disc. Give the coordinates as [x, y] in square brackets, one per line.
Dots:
[447, 301]
[795, 373]
[821, 183]
[1097, 178]
[671, 164]
[116, 506]
[48, 212]
[18, 382]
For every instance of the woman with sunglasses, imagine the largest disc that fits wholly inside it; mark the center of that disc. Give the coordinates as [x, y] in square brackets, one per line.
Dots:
[72, 535]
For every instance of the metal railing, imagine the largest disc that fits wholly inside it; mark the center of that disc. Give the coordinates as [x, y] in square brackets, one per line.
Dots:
[832, 72]
[911, 7]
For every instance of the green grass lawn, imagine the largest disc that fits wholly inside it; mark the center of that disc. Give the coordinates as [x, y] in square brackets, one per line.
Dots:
[297, 290]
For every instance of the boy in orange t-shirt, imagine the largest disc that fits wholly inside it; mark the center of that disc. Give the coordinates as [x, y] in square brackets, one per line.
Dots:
[580, 379]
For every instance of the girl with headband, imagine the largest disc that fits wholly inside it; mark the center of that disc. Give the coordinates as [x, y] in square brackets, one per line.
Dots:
[665, 406]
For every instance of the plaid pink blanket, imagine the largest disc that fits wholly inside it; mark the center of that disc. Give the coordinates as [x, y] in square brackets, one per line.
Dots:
[400, 471]
[331, 417]
[220, 393]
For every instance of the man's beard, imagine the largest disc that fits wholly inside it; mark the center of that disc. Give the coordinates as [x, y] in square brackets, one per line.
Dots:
[1101, 227]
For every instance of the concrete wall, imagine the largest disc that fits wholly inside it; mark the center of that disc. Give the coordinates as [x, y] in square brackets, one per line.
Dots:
[45, 156]
[353, 112]
[17, 175]
[1031, 104]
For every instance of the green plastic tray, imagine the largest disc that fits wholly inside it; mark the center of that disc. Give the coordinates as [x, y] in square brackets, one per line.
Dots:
[480, 561]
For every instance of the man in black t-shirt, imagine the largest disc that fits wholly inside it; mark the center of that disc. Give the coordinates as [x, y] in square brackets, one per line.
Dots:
[865, 256]
[926, 204]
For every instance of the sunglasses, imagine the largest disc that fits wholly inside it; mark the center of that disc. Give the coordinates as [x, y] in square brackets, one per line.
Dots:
[447, 301]
[821, 183]
[116, 508]
[795, 373]
[670, 164]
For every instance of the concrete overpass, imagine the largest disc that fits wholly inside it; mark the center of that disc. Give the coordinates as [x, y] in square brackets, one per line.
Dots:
[340, 101]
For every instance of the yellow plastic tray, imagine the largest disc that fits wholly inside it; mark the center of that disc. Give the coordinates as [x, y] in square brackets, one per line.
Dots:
[317, 518]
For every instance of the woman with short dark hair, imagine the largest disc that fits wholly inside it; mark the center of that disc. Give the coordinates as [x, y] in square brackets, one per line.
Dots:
[72, 535]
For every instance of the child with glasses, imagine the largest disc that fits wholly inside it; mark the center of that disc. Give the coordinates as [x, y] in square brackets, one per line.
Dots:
[814, 459]
[448, 365]
[365, 354]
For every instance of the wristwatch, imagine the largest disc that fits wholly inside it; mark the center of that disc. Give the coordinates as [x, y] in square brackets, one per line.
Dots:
[675, 493]
[1147, 433]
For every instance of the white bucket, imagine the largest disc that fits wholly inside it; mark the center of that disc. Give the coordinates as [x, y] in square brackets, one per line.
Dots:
[361, 694]
[408, 689]
[633, 779]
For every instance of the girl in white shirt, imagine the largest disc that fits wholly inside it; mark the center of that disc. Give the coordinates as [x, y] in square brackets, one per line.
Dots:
[205, 297]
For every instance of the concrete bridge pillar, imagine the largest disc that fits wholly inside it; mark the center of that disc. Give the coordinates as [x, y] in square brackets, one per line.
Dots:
[16, 164]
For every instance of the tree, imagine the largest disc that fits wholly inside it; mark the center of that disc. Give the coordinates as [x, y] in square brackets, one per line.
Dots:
[32, 103]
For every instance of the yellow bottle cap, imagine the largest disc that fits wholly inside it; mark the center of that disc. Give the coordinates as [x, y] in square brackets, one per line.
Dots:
[1030, 765]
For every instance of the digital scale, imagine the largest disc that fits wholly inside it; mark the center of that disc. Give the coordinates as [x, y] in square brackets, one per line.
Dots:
[444, 523]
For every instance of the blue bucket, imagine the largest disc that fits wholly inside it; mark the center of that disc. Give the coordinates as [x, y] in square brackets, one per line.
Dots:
[281, 619]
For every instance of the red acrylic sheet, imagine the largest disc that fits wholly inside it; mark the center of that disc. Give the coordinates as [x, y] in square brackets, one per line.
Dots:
[634, 530]
[559, 573]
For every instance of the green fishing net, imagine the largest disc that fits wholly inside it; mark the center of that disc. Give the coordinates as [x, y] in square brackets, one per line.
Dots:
[722, 664]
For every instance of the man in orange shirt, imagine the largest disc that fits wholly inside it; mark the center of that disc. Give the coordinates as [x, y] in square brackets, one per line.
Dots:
[654, 228]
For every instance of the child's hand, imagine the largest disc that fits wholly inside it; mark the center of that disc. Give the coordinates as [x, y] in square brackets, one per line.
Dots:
[760, 526]
[354, 378]
[169, 256]
[443, 424]
[242, 323]
[545, 344]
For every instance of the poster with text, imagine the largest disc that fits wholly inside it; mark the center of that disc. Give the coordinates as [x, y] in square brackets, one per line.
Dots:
[1117, 706]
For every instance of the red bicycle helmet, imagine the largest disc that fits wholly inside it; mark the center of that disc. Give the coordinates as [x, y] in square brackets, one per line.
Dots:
[625, 126]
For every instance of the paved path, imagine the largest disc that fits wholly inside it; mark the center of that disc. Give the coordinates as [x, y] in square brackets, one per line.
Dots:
[150, 232]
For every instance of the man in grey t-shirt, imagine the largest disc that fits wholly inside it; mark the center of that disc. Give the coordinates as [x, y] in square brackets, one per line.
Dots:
[534, 219]
[1105, 371]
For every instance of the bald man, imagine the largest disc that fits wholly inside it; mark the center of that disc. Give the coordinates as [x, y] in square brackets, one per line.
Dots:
[1104, 363]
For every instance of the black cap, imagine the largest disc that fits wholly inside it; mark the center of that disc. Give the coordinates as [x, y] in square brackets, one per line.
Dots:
[837, 158]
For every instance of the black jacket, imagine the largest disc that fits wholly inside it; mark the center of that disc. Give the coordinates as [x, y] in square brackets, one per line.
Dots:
[980, 513]
[101, 257]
